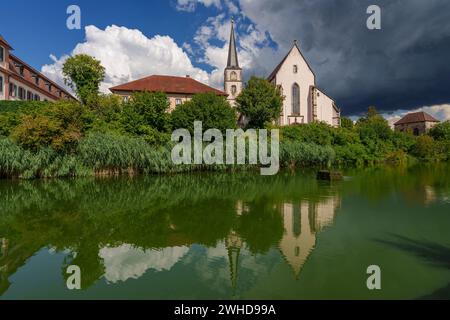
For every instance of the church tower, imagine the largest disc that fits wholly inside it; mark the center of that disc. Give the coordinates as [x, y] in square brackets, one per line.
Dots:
[233, 74]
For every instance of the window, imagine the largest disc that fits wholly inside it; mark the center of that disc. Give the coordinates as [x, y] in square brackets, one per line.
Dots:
[1, 84]
[2, 54]
[416, 131]
[295, 69]
[233, 75]
[36, 80]
[177, 102]
[37, 97]
[125, 99]
[12, 90]
[233, 90]
[30, 95]
[21, 71]
[295, 99]
[22, 93]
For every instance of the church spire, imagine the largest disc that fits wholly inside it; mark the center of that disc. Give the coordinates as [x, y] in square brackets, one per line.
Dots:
[232, 52]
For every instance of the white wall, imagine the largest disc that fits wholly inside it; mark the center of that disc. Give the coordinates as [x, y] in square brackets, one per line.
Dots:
[324, 108]
[304, 78]
[27, 88]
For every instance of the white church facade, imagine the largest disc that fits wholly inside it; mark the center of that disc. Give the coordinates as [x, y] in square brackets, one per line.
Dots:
[303, 101]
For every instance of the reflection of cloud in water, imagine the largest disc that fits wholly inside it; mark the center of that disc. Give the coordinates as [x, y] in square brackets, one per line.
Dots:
[125, 262]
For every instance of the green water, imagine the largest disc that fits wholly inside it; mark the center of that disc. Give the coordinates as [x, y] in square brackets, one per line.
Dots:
[229, 236]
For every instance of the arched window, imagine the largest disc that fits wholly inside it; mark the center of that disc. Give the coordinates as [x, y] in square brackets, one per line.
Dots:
[295, 99]
[233, 90]
[233, 75]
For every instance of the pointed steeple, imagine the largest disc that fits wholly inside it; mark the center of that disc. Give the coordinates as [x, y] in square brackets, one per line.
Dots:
[232, 52]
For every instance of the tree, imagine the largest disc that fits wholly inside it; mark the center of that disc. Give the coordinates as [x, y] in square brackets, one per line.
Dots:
[147, 109]
[83, 74]
[260, 102]
[441, 131]
[346, 123]
[424, 148]
[373, 126]
[214, 112]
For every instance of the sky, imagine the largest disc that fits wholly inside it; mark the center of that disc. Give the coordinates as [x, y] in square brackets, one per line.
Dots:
[402, 67]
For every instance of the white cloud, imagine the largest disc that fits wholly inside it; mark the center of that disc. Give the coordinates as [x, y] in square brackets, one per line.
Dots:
[127, 262]
[127, 54]
[191, 5]
[256, 57]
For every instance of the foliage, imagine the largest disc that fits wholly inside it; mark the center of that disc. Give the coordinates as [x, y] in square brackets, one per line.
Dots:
[83, 74]
[317, 132]
[146, 109]
[58, 125]
[427, 148]
[346, 123]
[214, 112]
[260, 102]
[294, 153]
[441, 131]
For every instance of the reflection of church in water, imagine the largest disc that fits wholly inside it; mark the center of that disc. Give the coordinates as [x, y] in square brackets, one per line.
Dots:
[302, 223]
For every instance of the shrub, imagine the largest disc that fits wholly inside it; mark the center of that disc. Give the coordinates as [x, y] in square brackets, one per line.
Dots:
[441, 131]
[427, 149]
[58, 125]
[317, 132]
[214, 112]
[302, 154]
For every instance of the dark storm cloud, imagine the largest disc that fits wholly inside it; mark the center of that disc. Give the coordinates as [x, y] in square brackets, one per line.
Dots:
[404, 65]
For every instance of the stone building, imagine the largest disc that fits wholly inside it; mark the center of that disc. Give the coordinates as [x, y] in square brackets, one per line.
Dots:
[417, 123]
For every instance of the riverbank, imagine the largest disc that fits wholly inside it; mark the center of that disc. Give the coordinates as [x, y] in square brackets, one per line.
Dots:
[109, 137]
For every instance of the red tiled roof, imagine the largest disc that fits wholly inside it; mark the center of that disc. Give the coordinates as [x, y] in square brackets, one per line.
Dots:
[167, 84]
[416, 117]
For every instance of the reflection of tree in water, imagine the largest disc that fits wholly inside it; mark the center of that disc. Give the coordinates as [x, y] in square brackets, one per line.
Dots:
[85, 216]
[422, 184]
[431, 253]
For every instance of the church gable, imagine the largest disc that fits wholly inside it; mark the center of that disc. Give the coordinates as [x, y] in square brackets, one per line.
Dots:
[293, 62]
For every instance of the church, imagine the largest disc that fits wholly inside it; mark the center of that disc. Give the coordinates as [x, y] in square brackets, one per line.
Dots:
[303, 101]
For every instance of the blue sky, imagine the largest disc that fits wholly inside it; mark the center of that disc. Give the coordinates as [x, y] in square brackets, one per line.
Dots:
[41, 28]
[402, 67]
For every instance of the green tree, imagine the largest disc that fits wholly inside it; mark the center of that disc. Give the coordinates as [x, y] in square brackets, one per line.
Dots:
[83, 74]
[147, 109]
[346, 123]
[373, 126]
[260, 102]
[441, 131]
[426, 148]
[214, 112]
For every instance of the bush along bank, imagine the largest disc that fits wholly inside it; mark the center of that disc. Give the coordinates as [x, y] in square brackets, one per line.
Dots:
[106, 136]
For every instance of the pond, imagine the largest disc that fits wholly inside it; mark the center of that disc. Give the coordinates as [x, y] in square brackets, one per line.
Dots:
[229, 236]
